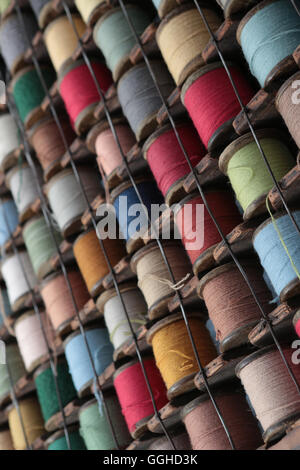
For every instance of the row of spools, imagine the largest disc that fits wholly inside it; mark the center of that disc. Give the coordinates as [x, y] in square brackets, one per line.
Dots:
[209, 99]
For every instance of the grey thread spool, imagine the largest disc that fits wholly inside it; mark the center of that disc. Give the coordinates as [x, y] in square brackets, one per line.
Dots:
[41, 10]
[139, 98]
[12, 38]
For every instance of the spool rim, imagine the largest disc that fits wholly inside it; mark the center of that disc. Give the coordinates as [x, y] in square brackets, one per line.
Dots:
[91, 229]
[77, 333]
[149, 247]
[61, 174]
[111, 293]
[160, 131]
[129, 364]
[69, 66]
[19, 74]
[252, 357]
[249, 15]
[32, 220]
[25, 315]
[60, 433]
[12, 171]
[100, 127]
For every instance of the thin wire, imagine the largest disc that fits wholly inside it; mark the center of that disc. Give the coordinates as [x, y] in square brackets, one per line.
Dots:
[296, 7]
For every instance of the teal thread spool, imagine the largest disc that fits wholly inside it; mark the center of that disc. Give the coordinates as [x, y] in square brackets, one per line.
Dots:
[40, 245]
[94, 427]
[269, 34]
[17, 368]
[113, 36]
[58, 441]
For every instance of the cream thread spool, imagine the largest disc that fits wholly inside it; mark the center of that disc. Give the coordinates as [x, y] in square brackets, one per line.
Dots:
[9, 140]
[90, 10]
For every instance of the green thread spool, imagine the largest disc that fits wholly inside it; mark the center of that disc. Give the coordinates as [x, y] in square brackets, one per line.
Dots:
[14, 359]
[94, 427]
[28, 92]
[46, 391]
[4, 4]
[40, 245]
[242, 162]
[58, 441]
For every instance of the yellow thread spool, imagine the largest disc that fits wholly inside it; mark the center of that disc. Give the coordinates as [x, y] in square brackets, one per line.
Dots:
[32, 419]
[182, 36]
[87, 9]
[61, 41]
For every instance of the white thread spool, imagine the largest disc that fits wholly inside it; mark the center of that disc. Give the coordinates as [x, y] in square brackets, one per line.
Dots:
[21, 181]
[17, 287]
[114, 314]
[9, 140]
[66, 199]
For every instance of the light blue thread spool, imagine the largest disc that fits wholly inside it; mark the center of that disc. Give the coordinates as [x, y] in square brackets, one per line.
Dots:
[273, 255]
[9, 220]
[270, 34]
[77, 356]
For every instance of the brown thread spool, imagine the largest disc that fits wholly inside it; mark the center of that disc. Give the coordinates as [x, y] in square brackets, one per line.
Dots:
[271, 389]
[230, 303]
[289, 108]
[57, 298]
[47, 142]
[91, 260]
[205, 428]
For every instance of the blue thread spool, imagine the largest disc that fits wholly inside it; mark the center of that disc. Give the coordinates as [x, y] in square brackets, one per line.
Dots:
[274, 257]
[78, 359]
[126, 202]
[268, 35]
[9, 220]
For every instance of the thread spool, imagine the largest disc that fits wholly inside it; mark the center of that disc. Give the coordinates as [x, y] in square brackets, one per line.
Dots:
[47, 142]
[66, 199]
[91, 260]
[40, 245]
[230, 304]
[8, 219]
[270, 388]
[58, 300]
[58, 440]
[113, 36]
[5, 308]
[9, 140]
[12, 34]
[94, 427]
[134, 396]
[181, 38]
[165, 6]
[232, 7]
[28, 93]
[17, 286]
[167, 160]
[90, 10]
[154, 278]
[241, 161]
[133, 223]
[42, 10]
[212, 104]
[205, 428]
[4, 4]
[267, 41]
[78, 359]
[173, 351]
[61, 40]
[46, 391]
[139, 99]
[180, 439]
[115, 318]
[32, 420]
[5, 439]
[22, 184]
[296, 322]
[17, 370]
[286, 103]
[274, 258]
[79, 93]
[191, 223]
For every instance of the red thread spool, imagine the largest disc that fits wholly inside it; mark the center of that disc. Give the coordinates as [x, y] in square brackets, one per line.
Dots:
[167, 160]
[189, 222]
[79, 92]
[212, 104]
[134, 396]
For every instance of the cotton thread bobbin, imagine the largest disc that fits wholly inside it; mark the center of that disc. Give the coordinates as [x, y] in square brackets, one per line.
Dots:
[212, 104]
[9, 219]
[5, 439]
[35, 350]
[267, 41]
[79, 92]
[154, 278]
[205, 428]
[94, 427]
[276, 241]
[17, 286]
[58, 300]
[22, 184]
[66, 199]
[40, 245]
[139, 98]
[230, 304]
[167, 160]
[198, 232]
[9, 140]
[43, 11]
[270, 388]
[32, 421]
[174, 354]
[287, 103]
[78, 358]
[181, 38]
[113, 36]
[91, 260]
[17, 370]
[134, 396]
[90, 10]
[242, 162]
[57, 441]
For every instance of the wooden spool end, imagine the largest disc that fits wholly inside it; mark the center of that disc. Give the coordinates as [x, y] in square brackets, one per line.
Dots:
[240, 240]
[88, 45]
[291, 440]
[38, 46]
[66, 249]
[170, 416]
[231, 7]
[279, 430]
[48, 440]
[164, 222]
[205, 261]
[79, 152]
[189, 296]
[166, 6]
[149, 45]
[123, 272]
[88, 314]
[85, 120]
[112, 103]
[86, 217]
[105, 380]
[55, 96]
[98, 12]
[289, 186]
[208, 172]
[226, 38]
[10, 160]
[71, 411]
[175, 108]
[128, 349]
